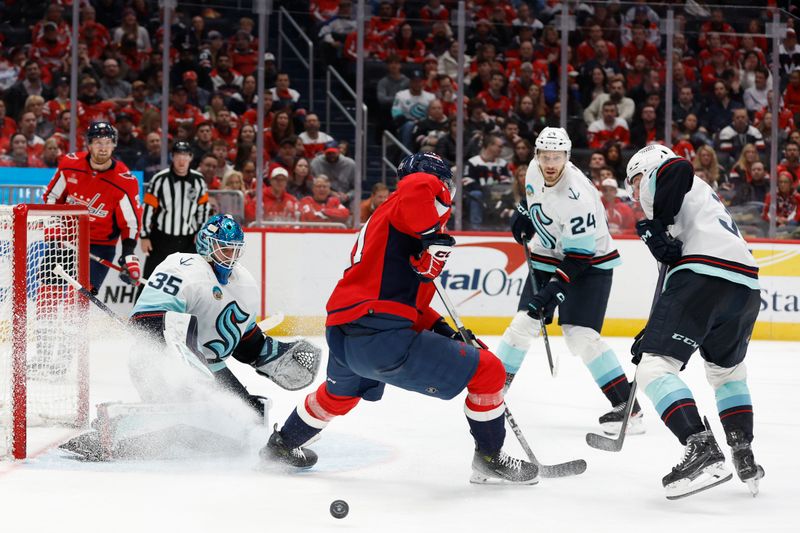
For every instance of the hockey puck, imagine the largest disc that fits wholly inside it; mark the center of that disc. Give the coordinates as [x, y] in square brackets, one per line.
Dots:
[339, 508]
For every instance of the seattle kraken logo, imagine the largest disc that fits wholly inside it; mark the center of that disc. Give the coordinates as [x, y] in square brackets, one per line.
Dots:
[228, 330]
[540, 221]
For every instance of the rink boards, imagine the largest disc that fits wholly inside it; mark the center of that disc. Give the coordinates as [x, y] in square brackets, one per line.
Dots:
[484, 276]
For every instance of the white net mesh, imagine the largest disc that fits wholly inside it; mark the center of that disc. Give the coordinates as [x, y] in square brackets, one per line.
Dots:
[56, 324]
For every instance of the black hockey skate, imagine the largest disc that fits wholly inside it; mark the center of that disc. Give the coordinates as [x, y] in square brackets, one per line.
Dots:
[702, 467]
[500, 467]
[277, 451]
[611, 422]
[742, 454]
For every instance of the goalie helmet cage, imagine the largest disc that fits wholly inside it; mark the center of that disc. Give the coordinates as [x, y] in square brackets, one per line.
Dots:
[44, 364]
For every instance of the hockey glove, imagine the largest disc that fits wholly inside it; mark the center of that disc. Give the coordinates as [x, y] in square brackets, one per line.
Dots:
[521, 224]
[431, 261]
[663, 247]
[443, 328]
[131, 269]
[636, 347]
[291, 365]
[544, 303]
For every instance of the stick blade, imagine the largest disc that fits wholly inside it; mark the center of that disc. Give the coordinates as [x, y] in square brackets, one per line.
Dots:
[601, 442]
[570, 468]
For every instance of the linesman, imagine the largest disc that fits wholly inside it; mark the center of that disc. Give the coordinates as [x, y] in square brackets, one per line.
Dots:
[175, 207]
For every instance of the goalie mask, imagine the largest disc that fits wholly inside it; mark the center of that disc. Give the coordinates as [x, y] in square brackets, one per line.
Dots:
[221, 242]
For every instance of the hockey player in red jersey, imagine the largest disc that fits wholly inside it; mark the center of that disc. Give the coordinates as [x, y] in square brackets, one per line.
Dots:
[111, 193]
[381, 329]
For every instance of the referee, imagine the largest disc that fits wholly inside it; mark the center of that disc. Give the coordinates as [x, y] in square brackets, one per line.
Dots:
[175, 206]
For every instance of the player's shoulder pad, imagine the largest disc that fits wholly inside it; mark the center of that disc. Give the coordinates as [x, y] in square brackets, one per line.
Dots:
[676, 169]
[181, 263]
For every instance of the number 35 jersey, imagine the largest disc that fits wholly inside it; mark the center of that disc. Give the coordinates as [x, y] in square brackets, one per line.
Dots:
[225, 313]
[569, 219]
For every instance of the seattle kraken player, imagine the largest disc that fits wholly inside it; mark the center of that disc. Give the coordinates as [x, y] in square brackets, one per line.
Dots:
[573, 256]
[381, 329]
[212, 289]
[710, 301]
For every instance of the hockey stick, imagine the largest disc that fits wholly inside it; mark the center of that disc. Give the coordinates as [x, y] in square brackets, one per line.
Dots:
[601, 442]
[570, 468]
[191, 358]
[105, 262]
[550, 360]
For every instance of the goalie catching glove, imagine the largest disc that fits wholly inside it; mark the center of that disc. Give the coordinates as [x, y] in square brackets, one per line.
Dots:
[291, 365]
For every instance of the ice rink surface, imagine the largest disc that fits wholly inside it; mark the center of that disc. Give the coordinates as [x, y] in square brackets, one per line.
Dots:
[403, 464]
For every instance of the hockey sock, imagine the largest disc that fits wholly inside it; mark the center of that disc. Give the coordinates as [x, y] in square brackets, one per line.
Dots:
[675, 404]
[311, 416]
[484, 405]
[601, 361]
[295, 431]
[516, 340]
[735, 408]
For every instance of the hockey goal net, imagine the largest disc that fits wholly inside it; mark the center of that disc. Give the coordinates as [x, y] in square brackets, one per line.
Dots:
[43, 321]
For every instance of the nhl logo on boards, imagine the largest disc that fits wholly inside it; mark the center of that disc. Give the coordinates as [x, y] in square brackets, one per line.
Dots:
[217, 292]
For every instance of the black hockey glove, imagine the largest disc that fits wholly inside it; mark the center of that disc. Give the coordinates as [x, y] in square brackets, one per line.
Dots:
[521, 224]
[544, 303]
[443, 328]
[663, 247]
[636, 347]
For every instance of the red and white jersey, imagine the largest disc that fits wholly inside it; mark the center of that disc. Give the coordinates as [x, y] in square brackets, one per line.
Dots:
[380, 278]
[112, 197]
[312, 147]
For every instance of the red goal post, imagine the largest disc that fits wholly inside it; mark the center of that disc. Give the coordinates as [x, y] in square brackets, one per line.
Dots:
[44, 365]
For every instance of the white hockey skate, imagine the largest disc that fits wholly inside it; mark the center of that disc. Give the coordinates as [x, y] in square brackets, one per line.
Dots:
[702, 467]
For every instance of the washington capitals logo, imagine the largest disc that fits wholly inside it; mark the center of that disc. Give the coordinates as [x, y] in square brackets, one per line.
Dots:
[228, 330]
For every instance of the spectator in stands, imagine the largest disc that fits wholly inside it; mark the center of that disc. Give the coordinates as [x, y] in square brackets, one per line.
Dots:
[197, 96]
[511, 198]
[7, 124]
[759, 183]
[278, 203]
[639, 45]
[27, 126]
[300, 179]
[35, 104]
[523, 153]
[789, 53]
[497, 103]
[742, 167]
[791, 96]
[392, 83]
[112, 86]
[323, 205]
[223, 128]
[720, 109]
[18, 154]
[283, 95]
[203, 137]
[340, 169]
[138, 104]
[616, 94]
[30, 84]
[791, 161]
[410, 105]
[597, 162]
[593, 83]
[685, 105]
[614, 161]
[608, 128]
[432, 128]
[286, 156]
[787, 211]
[208, 167]
[379, 194]
[130, 26]
[756, 93]
[448, 61]
[648, 129]
[483, 170]
[621, 220]
[446, 146]
[281, 128]
[739, 133]
[510, 136]
[314, 140]
[129, 147]
[650, 85]
[93, 106]
[588, 48]
[706, 161]
[333, 34]
[51, 155]
[150, 162]
[407, 47]
[223, 74]
[181, 111]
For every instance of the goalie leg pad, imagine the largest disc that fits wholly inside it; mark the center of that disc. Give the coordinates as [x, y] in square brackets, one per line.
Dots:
[294, 369]
[516, 341]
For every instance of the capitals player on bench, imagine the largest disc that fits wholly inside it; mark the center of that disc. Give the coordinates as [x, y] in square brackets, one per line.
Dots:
[710, 301]
[214, 291]
[573, 256]
[381, 329]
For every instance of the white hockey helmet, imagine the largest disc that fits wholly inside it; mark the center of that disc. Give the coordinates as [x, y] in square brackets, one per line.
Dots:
[554, 140]
[647, 160]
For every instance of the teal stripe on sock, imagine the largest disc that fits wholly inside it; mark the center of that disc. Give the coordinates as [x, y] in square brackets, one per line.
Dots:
[604, 367]
[732, 394]
[667, 390]
[510, 356]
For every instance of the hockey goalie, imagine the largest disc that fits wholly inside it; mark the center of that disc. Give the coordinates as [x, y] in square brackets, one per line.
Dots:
[195, 312]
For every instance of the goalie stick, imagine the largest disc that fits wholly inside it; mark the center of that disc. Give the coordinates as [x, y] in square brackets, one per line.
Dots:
[570, 468]
[106, 263]
[601, 442]
[550, 360]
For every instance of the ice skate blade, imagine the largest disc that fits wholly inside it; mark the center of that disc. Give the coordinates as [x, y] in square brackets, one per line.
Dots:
[479, 478]
[710, 477]
[752, 484]
[635, 426]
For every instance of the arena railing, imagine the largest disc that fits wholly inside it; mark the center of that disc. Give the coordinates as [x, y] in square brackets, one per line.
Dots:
[307, 61]
[333, 75]
[388, 140]
[297, 224]
[229, 202]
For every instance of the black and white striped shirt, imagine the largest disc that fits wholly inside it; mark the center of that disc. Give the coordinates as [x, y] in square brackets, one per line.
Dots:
[175, 205]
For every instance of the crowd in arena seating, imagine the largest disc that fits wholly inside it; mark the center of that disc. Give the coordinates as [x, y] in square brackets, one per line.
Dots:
[615, 98]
